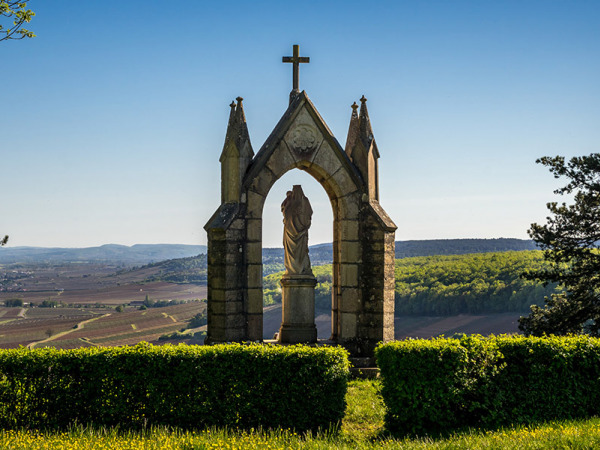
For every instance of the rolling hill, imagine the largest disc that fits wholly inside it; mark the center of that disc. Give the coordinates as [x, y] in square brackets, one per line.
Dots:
[320, 254]
[108, 253]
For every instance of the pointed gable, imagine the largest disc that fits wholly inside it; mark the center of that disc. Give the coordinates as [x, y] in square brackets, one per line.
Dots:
[300, 138]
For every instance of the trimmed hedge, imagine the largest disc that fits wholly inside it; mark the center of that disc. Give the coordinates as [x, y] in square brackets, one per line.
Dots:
[432, 386]
[234, 385]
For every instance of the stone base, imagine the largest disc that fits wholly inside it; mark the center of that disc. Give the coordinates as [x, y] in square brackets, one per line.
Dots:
[297, 334]
[298, 310]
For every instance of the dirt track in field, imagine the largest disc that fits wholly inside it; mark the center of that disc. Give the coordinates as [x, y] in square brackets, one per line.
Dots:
[83, 327]
[60, 335]
[70, 328]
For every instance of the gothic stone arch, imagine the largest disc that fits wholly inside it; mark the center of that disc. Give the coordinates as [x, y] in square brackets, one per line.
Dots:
[363, 235]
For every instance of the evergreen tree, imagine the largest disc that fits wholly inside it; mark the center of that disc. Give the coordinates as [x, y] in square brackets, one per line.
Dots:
[571, 241]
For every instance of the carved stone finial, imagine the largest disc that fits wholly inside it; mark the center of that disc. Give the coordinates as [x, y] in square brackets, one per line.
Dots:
[230, 125]
[352, 131]
[363, 99]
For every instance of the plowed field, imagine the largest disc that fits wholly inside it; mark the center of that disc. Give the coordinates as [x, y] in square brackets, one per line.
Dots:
[413, 326]
[71, 328]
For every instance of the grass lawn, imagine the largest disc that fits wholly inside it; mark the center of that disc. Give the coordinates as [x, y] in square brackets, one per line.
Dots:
[362, 428]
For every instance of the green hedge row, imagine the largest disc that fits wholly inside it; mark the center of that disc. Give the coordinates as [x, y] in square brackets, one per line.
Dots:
[432, 386]
[183, 386]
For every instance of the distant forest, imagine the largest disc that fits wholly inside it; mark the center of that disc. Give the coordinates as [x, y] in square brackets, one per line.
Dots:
[409, 249]
[473, 284]
[193, 269]
[181, 270]
[272, 288]
[456, 276]
[323, 253]
[448, 285]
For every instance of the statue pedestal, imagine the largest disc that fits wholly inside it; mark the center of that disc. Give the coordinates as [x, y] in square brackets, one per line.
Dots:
[298, 309]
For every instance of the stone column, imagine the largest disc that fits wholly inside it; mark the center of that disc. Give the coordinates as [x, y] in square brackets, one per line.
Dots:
[227, 319]
[298, 309]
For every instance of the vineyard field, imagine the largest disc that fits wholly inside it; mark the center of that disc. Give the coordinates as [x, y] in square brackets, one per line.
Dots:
[72, 327]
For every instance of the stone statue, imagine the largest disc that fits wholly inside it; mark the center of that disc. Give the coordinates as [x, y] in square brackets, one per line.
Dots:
[297, 215]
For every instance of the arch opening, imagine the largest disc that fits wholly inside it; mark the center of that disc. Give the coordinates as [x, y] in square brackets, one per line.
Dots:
[320, 237]
[345, 198]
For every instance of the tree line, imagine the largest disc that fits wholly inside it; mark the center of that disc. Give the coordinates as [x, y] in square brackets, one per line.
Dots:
[192, 270]
[469, 284]
[324, 276]
[448, 284]
[323, 253]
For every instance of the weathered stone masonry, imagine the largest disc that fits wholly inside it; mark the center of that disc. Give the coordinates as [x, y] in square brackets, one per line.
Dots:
[363, 248]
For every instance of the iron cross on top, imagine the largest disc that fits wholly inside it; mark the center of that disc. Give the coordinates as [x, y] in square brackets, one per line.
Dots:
[296, 60]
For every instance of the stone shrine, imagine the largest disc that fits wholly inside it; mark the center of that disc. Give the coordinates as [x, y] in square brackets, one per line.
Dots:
[362, 301]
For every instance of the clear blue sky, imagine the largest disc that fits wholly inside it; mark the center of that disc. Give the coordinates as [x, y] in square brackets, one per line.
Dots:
[113, 118]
